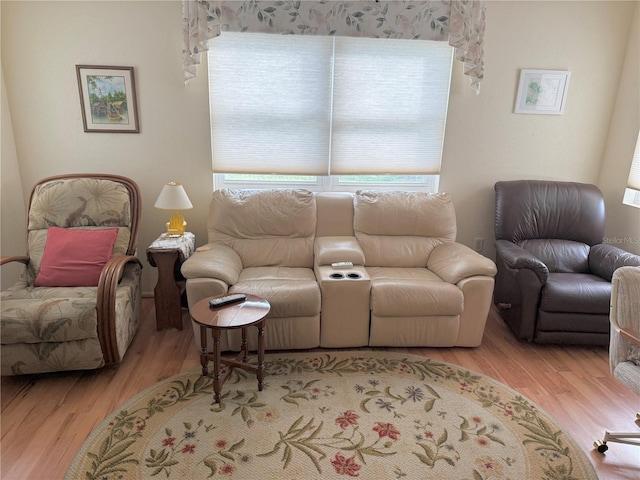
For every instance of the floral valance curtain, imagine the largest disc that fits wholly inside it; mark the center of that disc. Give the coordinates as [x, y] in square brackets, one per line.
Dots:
[459, 22]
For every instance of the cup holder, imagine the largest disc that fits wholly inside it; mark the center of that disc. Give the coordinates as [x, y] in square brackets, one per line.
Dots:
[338, 275]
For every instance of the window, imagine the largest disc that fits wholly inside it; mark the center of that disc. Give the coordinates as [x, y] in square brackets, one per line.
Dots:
[632, 192]
[343, 183]
[327, 112]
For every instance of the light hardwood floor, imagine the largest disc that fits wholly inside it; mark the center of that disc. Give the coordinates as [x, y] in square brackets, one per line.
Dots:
[46, 418]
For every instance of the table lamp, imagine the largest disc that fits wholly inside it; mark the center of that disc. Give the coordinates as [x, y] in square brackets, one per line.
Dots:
[173, 197]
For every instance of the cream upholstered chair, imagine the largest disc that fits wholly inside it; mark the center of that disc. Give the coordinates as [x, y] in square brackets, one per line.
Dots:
[624, 347]
[78, 302]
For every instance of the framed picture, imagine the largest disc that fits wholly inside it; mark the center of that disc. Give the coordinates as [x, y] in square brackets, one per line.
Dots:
[108, 99]
[542, 91]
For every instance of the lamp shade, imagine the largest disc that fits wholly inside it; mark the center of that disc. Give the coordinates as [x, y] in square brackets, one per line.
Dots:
[173, 197]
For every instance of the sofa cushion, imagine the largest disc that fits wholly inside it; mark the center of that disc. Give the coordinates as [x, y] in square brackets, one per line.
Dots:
[406, 292]
[634, 354]
[291, 292]
[402, 228]
[265, 227]
[75, 257]
[628, 373]
[576, 293]
[35, 315]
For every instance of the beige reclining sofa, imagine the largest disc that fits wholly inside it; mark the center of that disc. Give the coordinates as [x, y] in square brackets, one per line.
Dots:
[410, 284]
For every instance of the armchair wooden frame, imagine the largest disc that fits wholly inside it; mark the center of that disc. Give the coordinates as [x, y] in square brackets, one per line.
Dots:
[112, 271]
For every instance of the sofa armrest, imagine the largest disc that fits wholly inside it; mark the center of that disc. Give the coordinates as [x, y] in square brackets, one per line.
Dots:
[605, 259]
[327, 250]
[213, 261]
[518, 258]
[453, 262]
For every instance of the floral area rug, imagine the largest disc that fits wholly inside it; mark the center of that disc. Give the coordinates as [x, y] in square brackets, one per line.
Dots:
[371, 415]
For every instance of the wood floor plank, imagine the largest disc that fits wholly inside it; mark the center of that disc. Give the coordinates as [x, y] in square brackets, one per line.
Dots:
[44, 419]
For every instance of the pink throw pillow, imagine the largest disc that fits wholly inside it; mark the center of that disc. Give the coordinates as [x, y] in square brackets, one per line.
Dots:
[75, 258]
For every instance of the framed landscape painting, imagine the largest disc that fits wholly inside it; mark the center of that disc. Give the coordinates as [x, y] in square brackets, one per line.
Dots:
[108, 99]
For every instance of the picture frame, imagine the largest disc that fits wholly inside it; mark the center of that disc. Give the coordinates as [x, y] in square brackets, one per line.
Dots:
[108, 99]
[542, 92]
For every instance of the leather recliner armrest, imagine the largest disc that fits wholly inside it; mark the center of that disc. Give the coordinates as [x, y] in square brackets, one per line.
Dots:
[604, 259]
[453, 262]
[213, 261]
[327, 250]
[518, 258]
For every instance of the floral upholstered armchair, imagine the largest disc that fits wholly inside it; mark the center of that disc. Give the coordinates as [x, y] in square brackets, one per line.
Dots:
[624, 347]
[78, 302]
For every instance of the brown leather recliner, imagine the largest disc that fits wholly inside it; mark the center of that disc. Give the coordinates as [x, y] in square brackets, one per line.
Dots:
[554, 273]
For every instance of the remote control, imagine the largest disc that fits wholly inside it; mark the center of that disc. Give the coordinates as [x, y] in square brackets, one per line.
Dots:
[227, 299]
[342, 265]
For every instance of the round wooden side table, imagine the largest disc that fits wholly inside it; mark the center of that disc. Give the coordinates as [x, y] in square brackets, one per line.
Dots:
[250, 312]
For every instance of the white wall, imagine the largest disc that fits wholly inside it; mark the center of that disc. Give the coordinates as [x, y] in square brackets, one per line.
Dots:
[485, 142]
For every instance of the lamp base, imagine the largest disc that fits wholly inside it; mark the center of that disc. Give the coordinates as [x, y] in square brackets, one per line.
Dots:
[176, 225]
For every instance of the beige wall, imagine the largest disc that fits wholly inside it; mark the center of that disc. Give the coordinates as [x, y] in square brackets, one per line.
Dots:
[623, 221]
[41, 44]
[12, 212]
[485, 142]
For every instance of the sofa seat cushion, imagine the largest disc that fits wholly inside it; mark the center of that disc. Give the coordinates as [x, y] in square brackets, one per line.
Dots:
[35, 315]
[576, 293]
[421, 331]
[30, 358]
[628, 373]
[407, 292]
[292, 292]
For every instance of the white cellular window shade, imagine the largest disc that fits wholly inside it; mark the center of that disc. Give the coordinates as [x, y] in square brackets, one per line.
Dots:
[308, 105]
[389, 106]
[632, 193]
[270, 104]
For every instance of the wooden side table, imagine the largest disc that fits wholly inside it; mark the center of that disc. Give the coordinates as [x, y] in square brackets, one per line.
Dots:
[168, 254]
[234, 315]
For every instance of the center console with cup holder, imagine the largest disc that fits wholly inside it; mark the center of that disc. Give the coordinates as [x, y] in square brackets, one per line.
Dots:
[345, 306]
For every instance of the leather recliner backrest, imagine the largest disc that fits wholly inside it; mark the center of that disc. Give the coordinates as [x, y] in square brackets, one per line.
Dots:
[556, 221]
[401, 229]
[265, 227]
